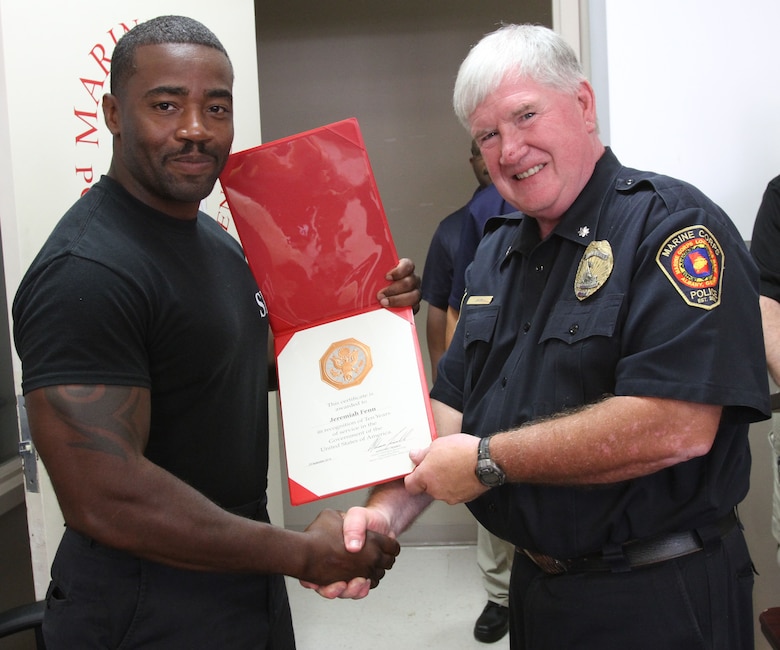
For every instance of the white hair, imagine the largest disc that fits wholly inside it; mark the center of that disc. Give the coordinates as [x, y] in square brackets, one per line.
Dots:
[515, 51]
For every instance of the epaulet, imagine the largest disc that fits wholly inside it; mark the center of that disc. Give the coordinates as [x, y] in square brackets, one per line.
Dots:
[496, 222]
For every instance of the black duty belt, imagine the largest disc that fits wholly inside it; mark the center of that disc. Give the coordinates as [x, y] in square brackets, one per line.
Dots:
[635, 553]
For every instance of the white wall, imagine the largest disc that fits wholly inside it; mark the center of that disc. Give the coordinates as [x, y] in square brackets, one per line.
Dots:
[693, 92]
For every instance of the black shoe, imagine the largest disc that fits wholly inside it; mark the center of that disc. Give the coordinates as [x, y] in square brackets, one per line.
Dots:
[492, 624]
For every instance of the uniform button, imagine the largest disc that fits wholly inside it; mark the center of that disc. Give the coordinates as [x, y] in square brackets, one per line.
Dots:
[540, 268]
[492, 507]
[526, 327]
[503, 383]
[629, 181]
[573, 329]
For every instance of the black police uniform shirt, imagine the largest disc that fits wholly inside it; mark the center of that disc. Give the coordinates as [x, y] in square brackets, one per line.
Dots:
[644, 288]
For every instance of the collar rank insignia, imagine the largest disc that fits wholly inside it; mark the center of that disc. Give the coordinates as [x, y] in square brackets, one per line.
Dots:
[692, 259]
[594, 269]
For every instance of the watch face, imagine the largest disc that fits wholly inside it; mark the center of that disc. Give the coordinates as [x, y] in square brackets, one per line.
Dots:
[489, 474]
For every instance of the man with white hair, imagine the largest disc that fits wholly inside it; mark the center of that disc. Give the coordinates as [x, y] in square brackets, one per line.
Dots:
[144, 344]
[593, 407]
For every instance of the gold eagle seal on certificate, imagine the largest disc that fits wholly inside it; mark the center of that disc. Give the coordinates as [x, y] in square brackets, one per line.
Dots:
[345, 364]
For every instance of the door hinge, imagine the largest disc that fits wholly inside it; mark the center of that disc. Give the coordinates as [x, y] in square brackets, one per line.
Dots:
[27, 451]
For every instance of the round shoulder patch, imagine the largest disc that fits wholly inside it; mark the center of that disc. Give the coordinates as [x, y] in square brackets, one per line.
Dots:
[692, 259]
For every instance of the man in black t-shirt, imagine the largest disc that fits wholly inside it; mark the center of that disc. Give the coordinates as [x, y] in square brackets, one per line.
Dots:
[144, 347]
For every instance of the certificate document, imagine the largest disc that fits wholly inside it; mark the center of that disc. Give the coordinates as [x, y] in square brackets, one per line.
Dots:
[352, 385]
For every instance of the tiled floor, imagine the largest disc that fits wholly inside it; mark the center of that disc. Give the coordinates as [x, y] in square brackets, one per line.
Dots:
[430, 599]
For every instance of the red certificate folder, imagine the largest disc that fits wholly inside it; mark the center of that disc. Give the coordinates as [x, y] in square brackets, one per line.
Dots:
[351, 379]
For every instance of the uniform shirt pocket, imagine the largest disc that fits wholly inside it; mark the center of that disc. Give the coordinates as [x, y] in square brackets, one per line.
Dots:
[572, 321]
[581, 344]
[480, 323]
[479, 328]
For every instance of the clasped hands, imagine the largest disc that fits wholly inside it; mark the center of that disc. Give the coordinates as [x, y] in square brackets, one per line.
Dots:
[443, 471]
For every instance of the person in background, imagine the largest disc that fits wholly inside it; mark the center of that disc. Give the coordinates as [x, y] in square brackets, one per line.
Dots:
[145, 354]
[486, 205]
[587, 409]
[764, 247]
[494, 556]
[439, 264]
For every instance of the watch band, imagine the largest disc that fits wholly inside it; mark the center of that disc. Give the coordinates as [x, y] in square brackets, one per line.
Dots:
[483, 451]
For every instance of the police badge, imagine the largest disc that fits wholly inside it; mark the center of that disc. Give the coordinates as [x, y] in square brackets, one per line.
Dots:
[594, 269]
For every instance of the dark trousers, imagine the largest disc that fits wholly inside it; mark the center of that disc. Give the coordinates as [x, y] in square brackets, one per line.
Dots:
[103, 598]
[700, 601]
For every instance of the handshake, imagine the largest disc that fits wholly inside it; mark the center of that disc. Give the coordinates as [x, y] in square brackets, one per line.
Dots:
[336, 569]
[356, 548]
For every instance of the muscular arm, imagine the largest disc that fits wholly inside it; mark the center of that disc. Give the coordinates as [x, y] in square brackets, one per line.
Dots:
[617, 439]
[770, 319]
[91, 439]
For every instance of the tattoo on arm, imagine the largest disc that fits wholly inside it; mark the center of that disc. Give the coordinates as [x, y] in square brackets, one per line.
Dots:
[104, 417]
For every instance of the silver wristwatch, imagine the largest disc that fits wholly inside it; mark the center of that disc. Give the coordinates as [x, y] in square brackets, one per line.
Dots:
[487, 471]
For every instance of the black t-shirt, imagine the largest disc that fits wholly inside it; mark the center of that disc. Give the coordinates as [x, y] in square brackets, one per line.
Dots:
[765, 242]
[121, 294]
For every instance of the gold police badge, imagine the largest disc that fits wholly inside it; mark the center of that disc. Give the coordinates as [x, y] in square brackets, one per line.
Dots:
[594, 269]
[345, 364]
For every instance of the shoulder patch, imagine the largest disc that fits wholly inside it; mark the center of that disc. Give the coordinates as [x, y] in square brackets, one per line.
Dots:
[692, 259]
